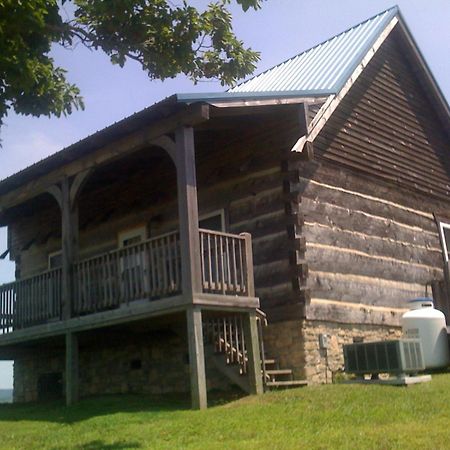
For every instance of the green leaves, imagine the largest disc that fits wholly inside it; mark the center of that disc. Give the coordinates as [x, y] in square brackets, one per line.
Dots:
[166, 38]
[30, 83]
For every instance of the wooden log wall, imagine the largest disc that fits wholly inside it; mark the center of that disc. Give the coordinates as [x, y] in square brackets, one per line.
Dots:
[33, 230]
[370, 246]
[381, 170]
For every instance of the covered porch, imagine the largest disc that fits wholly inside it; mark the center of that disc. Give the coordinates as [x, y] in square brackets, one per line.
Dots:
[189, 271]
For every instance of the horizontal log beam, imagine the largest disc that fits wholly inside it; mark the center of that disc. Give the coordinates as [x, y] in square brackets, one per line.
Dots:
[350, 313]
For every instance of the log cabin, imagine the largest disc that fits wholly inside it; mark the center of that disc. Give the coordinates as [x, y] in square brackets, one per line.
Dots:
[238, 237]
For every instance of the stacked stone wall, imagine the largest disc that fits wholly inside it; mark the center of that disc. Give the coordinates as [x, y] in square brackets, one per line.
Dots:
[295, 344]
[322, 366]
[147, 364]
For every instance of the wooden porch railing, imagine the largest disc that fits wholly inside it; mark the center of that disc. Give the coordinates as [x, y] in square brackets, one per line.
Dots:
[30, 301]
[151, 269]
[226, 263]
[147, 270]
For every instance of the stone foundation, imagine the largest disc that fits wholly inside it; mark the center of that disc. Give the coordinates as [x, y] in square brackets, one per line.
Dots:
[295, 344]
[320, 365]
[158, 362]
[155, 363]
[283, 341]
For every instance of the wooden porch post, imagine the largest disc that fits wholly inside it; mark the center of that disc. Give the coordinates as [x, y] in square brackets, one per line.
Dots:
[253, 353]
[248, 258]
[190, 259]
[188, 211]
[66, 195]
[69, 213]
[196, 358]
[72, 391]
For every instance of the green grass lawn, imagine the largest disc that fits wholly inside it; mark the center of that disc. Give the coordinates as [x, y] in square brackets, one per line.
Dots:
[319, 417]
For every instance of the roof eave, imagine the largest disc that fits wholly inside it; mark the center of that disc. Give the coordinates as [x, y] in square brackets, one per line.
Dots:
[214, 97]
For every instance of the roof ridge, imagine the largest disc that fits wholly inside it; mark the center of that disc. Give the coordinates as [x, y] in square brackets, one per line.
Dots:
[392, 9]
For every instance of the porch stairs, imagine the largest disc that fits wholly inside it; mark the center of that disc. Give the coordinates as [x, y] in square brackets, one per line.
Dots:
[225, 349]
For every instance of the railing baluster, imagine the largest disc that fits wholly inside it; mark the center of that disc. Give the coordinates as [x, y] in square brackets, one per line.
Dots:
[202, 253]
[85, 287]
[19, 306]
[216, 263]
[115, 282]
[131, 268]
[169, 265]
[233, 257]
[5, 299]
[243, 347]
[107, 287]
[241, 265]
[177, 263]
[3, 309]
[164, 266]
[227, 257]
[231, 339]
[32, 283]
[210, 284]
[236, 338]
[82, 287]
[90, 299]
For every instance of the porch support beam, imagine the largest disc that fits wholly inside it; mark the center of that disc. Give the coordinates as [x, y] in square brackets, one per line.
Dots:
[196, 358]
[72, 371]
[188, 212]
[253, 353]
[69, 214]
[77, 185]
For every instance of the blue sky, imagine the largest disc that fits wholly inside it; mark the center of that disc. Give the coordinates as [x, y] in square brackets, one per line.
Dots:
[281, 29]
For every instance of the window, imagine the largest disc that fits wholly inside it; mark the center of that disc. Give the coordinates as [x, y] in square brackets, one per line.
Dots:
[444, 234]
[214, 221]
[132, 236]
[55, 260]
[133, 262]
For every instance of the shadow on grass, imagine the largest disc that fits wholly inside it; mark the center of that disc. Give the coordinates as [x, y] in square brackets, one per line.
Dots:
[57, 412]
[101, 445]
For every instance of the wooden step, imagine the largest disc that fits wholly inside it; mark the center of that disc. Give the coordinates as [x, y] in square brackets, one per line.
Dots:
[286, 384]
[270, 361]
[280, 372]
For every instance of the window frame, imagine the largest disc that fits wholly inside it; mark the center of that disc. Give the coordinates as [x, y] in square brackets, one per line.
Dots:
[131, 233]
[52, 255]
[445, 249]
[217, 212]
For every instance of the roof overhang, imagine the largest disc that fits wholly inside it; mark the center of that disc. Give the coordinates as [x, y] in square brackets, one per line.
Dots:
[224, 99]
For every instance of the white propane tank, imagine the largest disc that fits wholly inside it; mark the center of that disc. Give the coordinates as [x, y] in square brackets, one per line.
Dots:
[427, 324]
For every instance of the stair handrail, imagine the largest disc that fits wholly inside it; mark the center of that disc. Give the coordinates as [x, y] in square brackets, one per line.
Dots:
[227, 334]
[261, 321]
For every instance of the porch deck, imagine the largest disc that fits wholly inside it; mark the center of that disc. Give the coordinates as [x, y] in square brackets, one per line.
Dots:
[144, 277]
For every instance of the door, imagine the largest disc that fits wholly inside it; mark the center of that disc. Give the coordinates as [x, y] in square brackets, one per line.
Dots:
[133, 264]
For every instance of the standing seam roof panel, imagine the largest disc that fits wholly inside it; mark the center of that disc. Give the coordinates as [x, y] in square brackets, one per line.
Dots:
[347, 50]
[324, 66]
